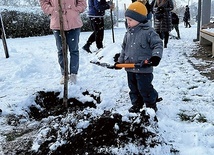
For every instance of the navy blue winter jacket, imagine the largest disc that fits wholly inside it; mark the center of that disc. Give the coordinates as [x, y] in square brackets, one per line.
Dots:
[97, 8]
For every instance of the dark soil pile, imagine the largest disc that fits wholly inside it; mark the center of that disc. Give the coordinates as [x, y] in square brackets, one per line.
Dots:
[98, 136]
[62, 132]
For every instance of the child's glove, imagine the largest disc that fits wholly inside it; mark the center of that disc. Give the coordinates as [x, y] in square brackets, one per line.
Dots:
[117, 55]
[145, 63]
[153, 61]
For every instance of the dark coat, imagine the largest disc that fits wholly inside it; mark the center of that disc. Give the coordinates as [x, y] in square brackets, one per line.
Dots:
[97, 8]
[140, 43]
[163, 24]
[187, 14]
[175, 19]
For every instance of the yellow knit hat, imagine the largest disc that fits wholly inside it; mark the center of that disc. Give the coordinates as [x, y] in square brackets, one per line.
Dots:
[137, 11]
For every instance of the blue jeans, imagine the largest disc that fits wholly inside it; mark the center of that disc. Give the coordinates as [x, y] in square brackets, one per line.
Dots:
[72, 39]
[141, 89]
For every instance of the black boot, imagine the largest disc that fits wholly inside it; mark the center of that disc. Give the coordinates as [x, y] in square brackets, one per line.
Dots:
[135, 108]
[86, 47]
[153, 106]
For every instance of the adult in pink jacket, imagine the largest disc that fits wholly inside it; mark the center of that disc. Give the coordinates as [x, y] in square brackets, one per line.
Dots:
[72, 26]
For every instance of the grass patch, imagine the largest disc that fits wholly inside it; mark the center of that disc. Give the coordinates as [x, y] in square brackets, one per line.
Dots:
[192, 117]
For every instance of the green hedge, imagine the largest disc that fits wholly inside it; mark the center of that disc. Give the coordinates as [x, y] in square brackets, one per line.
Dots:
[25, 24]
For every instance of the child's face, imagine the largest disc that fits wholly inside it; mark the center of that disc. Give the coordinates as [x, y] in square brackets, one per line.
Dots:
[131, 22]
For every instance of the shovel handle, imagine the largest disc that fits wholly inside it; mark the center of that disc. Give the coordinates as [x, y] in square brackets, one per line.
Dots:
[125, 65]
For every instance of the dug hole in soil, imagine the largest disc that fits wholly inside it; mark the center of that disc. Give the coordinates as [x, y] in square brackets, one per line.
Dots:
[74, 130]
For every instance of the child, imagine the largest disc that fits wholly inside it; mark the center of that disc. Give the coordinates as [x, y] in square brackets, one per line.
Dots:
[143, 46]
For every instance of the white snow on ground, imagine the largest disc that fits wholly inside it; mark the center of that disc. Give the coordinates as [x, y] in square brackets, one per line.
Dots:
[32, 66]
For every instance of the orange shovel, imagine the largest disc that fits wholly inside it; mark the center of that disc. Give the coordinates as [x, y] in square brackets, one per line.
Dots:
[132, 65]
[122, 65]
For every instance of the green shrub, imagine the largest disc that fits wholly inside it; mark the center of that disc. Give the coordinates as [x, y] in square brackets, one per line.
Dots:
[26, 24]
[23, 24]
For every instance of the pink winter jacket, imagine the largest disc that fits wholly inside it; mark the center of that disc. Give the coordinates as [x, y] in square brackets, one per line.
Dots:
[71, 13]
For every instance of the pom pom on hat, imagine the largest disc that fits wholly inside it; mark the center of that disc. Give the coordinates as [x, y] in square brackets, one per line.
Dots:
[137, 11]
[142, 1]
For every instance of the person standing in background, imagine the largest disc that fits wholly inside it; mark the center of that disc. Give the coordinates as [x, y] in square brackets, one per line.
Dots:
[187, 17]
[148, 7]
[96, 15]
[162, 18]
[71, 10]
[175, 24]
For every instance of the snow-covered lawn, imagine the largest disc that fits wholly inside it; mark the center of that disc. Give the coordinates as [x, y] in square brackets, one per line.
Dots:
[185, 117]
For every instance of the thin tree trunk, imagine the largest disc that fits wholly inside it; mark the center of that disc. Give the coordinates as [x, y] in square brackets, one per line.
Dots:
[64, 50]
[112, 23]
[3, 37]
